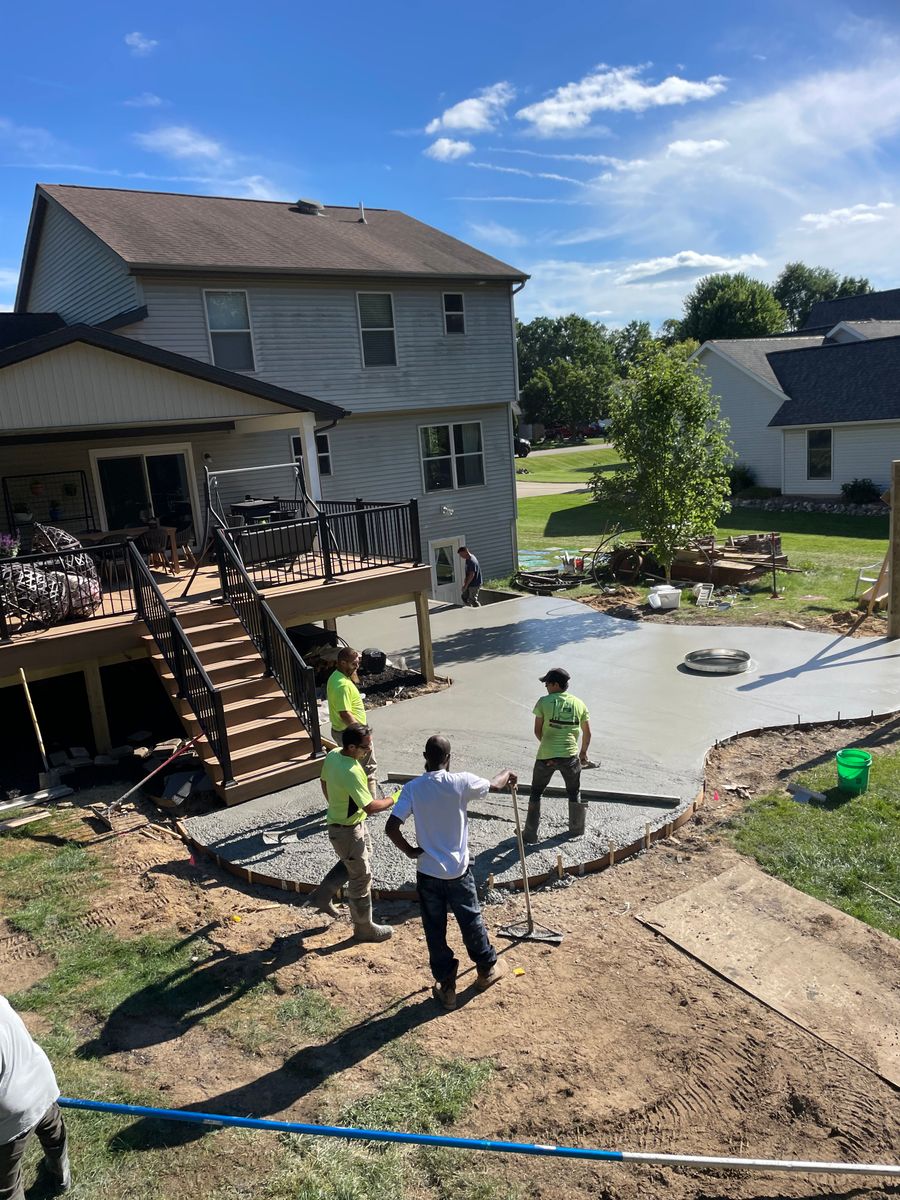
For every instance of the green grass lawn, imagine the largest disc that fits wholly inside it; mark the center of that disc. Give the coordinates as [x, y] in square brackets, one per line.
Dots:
[830, 850]
[829, 549]
[565, 468]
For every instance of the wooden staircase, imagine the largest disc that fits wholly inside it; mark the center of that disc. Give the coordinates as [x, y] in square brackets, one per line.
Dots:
[269, 746]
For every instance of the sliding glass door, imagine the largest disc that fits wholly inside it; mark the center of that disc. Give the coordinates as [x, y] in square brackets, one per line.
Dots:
[139, 485]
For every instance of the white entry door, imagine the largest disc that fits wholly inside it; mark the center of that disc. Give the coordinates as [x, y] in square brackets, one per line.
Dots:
[446, 572]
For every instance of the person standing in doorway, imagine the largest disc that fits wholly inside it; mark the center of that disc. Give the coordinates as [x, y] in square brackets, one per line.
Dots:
[558, 718]
[28, 1095]
[438, 802]
[346, 790]
[472, 580]
[345, 707]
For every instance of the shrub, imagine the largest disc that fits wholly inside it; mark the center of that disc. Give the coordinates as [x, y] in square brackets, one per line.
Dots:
[741, 477]
[860, 491]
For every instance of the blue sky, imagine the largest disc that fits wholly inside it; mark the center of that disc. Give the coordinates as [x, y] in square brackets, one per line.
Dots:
[614, 152]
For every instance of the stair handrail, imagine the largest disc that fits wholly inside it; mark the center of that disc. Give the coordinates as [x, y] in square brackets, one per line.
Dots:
[282, 659]
[191, 680]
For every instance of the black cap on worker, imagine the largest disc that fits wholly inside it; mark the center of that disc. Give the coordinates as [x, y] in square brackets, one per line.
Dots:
[557, 675]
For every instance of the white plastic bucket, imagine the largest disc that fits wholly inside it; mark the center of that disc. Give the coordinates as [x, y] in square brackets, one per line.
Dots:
[664, 596]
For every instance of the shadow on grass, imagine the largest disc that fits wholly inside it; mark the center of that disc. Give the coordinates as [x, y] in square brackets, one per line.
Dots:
[297, 1077]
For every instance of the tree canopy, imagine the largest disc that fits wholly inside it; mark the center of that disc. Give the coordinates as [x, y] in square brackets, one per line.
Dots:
[731, 306]
[799, 287]
[666, 426]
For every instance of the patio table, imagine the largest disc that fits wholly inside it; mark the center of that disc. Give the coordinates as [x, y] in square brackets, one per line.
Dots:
[90, 537]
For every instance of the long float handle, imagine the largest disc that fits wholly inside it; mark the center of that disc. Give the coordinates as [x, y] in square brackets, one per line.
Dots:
[462, 1143]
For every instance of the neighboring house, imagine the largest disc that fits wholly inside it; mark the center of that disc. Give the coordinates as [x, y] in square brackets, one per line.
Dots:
[375, 314]
[812, 410]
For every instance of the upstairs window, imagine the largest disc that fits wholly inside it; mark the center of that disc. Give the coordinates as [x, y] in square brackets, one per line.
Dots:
[818, 454]
[230, 339]
[376, 329]
[454, 313]
[323, 451]
[452, 456]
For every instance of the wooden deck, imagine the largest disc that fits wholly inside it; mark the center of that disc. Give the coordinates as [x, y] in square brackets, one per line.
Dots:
[106, 639]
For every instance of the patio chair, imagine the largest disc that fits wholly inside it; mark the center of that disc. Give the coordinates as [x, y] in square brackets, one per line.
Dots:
[868, 574]
[153, 546]
[184, 540]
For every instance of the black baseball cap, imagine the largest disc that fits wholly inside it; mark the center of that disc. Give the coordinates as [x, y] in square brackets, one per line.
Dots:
[557, 675]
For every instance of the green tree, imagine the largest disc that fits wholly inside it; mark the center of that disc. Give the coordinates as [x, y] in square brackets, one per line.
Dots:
[566, 394]
[572, 338]
[731, 306]
[629, 343]
[799, 287]
[669, 332]
[666, 426]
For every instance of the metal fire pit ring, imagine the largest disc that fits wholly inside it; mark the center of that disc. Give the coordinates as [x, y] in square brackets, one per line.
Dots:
[718, 661]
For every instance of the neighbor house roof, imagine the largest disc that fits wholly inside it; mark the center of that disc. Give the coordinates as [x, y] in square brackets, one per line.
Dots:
[850, 381]
[752, 353]
[873, 306]
[21, 327]
[873, 329]
[165, 231]
[90, 335]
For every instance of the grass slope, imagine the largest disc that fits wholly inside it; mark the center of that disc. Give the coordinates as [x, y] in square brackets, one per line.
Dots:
[565, 468]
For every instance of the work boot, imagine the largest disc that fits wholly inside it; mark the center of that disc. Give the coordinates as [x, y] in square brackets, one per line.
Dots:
[364, 929]
[321, 901]
[530, 832]
[445, 992]
[488, 976]
[577, 815]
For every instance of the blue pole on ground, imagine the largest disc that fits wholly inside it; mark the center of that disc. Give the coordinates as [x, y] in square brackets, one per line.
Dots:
[463, 1143]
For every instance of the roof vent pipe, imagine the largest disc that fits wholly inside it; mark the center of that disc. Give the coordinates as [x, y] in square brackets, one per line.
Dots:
[312, 208]
[362, 214]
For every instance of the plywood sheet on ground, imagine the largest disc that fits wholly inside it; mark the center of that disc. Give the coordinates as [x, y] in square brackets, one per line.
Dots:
[831, 974]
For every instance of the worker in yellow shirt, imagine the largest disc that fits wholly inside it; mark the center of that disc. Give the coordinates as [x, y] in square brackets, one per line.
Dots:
[345, 707]
[346, 789]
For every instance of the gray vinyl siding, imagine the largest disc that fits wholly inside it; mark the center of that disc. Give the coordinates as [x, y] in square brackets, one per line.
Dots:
[84, 385]
[857, 452]
[748, 406]
[377, 458]
[306, 338]
[76, 275]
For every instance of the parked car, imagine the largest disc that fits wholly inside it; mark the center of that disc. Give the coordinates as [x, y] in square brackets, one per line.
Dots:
[522, 447]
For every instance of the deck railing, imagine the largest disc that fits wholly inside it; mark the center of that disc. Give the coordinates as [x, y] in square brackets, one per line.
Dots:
[193, 683]
[282, 659]
[346, 537]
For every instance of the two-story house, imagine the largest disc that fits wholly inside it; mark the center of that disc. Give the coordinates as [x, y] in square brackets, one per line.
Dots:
[167, 350]
[405, 328]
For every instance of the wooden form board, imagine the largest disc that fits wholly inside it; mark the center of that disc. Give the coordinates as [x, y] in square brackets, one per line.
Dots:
[829, 973]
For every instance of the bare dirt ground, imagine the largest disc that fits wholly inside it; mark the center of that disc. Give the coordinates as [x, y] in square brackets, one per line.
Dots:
[614, 1039]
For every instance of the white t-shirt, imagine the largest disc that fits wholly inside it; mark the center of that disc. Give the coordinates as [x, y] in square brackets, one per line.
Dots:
[438, 802]
[27, 1083]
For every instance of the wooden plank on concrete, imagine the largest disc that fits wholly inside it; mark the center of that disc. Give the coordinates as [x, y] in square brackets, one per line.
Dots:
[832, 975]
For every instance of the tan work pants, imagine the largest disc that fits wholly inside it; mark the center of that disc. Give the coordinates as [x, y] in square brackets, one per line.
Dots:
[351, 845]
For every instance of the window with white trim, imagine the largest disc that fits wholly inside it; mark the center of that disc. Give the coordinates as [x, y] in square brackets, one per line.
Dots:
[818, 453]
[452, 456]
[323, 451]
[228, 319]
[376, 329]
[454, 313]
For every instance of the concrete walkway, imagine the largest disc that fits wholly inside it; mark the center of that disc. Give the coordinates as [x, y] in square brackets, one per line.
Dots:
[653, 721]
[573, 449]
[525, 488]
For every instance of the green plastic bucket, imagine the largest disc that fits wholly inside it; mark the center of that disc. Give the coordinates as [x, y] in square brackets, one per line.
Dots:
[853, 770]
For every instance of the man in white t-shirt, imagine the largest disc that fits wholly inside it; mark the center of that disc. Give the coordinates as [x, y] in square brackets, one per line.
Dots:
[28, 1095]
[438, 802]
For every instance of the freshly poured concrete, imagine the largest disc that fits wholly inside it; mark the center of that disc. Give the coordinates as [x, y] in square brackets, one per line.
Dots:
[653, 722]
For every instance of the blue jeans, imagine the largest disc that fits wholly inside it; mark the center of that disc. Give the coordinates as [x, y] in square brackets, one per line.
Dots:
[437, 897]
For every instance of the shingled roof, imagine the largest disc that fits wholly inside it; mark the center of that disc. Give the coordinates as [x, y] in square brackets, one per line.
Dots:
[874, 329]
[22, 327]
[851, 381]
[752, 353]
[872, 306]
[166, 231]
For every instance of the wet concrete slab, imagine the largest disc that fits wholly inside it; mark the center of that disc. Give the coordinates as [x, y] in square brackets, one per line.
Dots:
[653, 721]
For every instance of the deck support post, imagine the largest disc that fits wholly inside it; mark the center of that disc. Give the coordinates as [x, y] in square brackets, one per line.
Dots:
[894, 554]
[97, 708]
[423, 621]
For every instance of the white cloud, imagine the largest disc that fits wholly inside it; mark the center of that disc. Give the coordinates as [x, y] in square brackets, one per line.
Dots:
[615, 89]
[140, 44]
[144, 100]
[689, 148]
[9, 279]
[686, 263]
[485, 166]
[447, 150]
[27, 139]
[180, 141]
[495, 233]
[859, 214]
[478, 114]
[6, 307]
